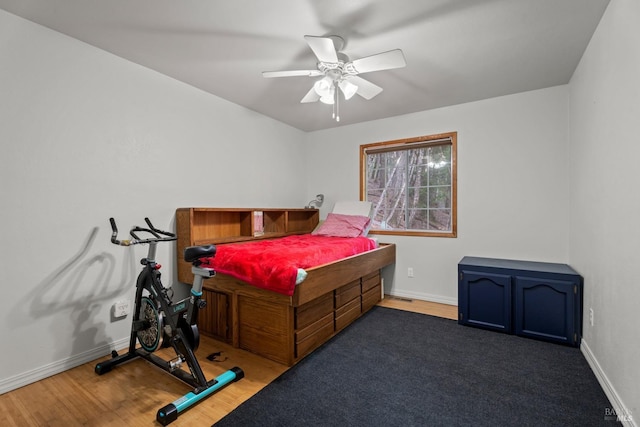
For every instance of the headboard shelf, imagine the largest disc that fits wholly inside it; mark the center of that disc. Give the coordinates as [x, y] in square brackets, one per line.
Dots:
[200, 226]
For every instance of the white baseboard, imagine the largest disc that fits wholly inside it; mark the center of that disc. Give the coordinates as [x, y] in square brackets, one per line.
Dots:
[59, 366]
[425, 297]
[621, 412]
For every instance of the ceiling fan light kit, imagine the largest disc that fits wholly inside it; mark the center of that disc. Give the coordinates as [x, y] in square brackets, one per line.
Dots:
[324, 88]
[339, 74]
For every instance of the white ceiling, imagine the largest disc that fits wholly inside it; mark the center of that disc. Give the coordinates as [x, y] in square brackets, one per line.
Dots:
[456, 50]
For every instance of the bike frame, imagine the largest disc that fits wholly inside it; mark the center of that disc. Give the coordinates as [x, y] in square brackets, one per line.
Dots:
[185, 339]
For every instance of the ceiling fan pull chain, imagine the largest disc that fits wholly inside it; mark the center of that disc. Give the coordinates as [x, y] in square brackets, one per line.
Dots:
[333, 107]
[336, 99]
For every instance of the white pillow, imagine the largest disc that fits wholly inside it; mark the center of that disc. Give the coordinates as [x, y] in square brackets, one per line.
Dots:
[353, 208]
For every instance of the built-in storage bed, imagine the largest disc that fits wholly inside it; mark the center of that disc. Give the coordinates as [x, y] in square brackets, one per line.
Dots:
[283, 328]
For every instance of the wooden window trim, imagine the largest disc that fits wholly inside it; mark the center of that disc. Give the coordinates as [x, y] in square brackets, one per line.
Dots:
[410, 143]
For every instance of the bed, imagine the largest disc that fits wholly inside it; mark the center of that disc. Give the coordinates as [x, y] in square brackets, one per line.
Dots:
[288, 322]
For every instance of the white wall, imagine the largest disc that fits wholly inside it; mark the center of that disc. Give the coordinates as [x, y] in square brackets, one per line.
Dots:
[512, 184]
[604, 203]
[84, 136]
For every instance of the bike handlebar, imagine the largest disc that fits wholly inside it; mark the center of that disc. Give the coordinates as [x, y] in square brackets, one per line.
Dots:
[158, 235]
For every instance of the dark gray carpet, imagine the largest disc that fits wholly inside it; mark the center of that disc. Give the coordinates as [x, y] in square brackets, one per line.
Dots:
[397, 368]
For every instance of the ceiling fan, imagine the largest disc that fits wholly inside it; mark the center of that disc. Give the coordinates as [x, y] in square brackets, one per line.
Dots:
[339, 74]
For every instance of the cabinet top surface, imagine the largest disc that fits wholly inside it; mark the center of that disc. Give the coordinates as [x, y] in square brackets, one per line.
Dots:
[547, 267]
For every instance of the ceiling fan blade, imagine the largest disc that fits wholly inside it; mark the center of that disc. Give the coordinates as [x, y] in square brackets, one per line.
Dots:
[291, 73]
[311, 96]
[323, 48]
[381, 61]
[366, 89]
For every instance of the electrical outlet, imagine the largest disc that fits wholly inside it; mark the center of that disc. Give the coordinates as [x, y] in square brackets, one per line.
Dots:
[121, 308]
[591, 316]
[410, 272]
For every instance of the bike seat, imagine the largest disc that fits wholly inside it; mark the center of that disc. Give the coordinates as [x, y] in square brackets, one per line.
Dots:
[193, 253]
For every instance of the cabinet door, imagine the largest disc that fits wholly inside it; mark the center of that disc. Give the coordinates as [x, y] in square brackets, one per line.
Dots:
[484, 300]
[545, 309]
[214, 318]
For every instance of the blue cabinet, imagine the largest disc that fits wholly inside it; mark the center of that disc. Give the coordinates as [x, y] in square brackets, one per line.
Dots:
[531, 299]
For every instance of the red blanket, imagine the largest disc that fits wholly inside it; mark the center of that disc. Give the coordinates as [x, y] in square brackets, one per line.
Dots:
[273, 264]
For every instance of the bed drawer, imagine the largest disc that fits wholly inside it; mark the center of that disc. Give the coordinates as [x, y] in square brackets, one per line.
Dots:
[313, 335]
[302, 334]
[370, 280]
[347, 313]
[347, 293]
[310, 312]
[371, 297]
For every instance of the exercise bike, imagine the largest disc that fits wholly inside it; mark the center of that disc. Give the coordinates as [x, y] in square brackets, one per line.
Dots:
[159, 322]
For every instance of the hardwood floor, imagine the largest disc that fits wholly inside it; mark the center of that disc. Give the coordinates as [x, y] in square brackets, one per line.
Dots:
[418, 306]
[131, 394]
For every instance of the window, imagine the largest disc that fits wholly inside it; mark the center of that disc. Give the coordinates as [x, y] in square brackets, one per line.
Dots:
[412, 185]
